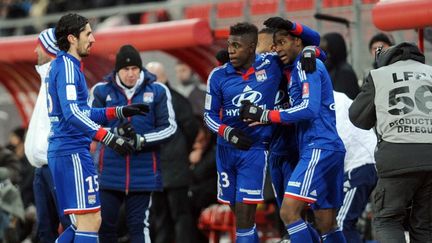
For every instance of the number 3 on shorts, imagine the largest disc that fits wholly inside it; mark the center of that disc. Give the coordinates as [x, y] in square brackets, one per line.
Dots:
[223, 176]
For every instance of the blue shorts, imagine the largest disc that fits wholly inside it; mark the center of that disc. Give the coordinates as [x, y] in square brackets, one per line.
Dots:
[281, 168]
[318, 179]
[76, 183]
[241, 175]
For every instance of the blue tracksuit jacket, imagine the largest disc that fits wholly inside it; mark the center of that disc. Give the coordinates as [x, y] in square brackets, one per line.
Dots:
[139, 171]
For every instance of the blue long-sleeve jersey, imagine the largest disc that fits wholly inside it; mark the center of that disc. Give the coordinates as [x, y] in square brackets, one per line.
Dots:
[284, 138]
[73, 122]
[312, 108]
[227, 87]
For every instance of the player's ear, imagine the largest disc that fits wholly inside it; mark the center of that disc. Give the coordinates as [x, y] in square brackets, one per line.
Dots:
[72, 39]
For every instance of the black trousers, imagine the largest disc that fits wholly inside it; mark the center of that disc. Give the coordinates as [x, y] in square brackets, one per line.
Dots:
[171, 216]
[392, 196]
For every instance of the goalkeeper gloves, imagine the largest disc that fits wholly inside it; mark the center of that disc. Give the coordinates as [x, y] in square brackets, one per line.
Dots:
[236, 137]
[254, 112]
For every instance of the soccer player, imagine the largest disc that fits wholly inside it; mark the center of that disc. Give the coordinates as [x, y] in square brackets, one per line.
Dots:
[73, 127]
[318, 177]
[241, 150]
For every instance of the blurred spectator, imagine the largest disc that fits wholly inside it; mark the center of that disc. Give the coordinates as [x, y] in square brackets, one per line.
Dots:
[11, 209]
[189, 87]
[203, 189]
[13, 9]
[16, 144]
[171, 211]
[342, 74]
[379, 40]
[9, 161]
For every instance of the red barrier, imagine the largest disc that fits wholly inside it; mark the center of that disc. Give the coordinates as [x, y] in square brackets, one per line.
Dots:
[158, 36]
[190, 40]
[402, 14]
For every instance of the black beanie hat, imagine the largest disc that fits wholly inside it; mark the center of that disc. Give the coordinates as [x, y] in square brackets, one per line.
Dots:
[127, 56]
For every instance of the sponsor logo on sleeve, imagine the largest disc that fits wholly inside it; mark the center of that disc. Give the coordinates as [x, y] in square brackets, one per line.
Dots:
[305, 90]
[71, 93]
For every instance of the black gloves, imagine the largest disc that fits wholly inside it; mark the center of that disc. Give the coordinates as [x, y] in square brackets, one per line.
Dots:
[308, 59]
[237, 138]
[279, 23]
[126, 130]
[253, 112]
[131, 110]
[118, 144]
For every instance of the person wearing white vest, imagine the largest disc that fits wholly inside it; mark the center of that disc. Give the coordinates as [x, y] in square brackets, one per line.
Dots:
[360, 175]
[396, 100]
[36, 146]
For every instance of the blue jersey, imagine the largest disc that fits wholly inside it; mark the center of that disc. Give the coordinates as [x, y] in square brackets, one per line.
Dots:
[227, 87]
[72, 120]
[284, 138]
[312, 108]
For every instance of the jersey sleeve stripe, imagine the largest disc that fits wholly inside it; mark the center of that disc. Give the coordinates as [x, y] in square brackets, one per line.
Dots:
[69, 70]
[210, 123]
[171, 129]
[82, 117]
[302, 106]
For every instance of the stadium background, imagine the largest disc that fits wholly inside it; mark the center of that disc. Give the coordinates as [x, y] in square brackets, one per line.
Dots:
[191, 31]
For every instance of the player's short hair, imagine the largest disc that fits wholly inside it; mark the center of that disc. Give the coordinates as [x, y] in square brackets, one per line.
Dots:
[245, 29]
[267, 30]
[69, 24]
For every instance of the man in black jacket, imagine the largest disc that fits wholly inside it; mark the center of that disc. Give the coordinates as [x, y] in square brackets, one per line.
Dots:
[395, 99]
[341, 72]
[172, 207]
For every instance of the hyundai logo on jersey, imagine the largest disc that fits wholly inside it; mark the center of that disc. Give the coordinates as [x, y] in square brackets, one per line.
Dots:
[280, 95]
[253, 96]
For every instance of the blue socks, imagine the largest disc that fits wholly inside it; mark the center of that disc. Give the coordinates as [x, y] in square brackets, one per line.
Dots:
[334, 236]
[249, 235]
[86, 237]
[300, 232]
[67, 236]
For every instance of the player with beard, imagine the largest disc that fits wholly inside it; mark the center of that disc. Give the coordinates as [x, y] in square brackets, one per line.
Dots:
[73, 127]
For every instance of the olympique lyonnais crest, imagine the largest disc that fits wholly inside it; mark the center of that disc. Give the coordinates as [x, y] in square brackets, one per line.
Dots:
[148, 97]
[261, 75]
[91, 199]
